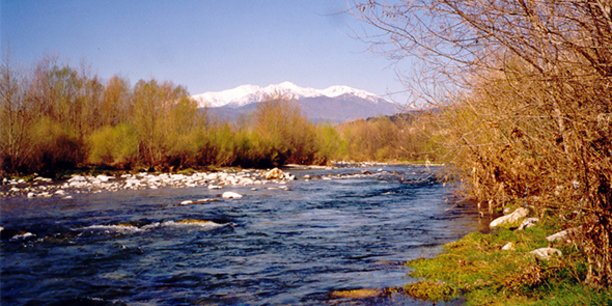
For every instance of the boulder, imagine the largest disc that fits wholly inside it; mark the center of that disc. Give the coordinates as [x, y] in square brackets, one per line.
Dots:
[562, 236]
[274, 174]
[527, 223]
[104, 178]
[546, 253]
[231, 195]
[510, 219]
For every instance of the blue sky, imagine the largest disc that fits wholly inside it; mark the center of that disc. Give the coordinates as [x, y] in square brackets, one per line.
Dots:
[203, 45]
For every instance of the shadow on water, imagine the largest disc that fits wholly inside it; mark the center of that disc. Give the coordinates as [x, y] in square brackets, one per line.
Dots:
[351, 228]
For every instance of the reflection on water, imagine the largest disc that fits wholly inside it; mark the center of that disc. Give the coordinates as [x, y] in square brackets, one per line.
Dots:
[272, 246]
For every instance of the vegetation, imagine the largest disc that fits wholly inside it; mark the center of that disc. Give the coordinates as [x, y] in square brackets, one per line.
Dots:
[477, 268]
[412, 137]
[525, 88]
[59, 118]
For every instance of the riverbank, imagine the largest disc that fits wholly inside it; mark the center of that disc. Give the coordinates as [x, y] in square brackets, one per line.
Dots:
[95, 181]
[500, 267]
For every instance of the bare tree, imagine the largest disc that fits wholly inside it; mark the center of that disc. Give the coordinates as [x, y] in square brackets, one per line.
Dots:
[534, 81]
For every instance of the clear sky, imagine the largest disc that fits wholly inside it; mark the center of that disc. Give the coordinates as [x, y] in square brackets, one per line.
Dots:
[203, 45]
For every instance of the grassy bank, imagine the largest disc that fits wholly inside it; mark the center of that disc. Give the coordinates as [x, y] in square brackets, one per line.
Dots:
[476, 269]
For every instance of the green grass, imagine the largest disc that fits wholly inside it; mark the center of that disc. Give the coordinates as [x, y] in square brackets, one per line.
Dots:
[475, 269]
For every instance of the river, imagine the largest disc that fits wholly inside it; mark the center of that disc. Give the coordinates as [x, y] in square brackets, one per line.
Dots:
[346, 228]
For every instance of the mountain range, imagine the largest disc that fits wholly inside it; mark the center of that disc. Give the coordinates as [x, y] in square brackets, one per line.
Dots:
[333, 104]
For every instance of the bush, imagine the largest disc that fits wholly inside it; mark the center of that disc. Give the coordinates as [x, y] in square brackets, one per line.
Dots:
[113, 145]
[54, 147]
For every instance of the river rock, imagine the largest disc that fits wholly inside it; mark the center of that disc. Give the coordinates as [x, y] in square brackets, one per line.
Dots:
[527, 223]
[43, 179]
[231, 195]
[562, 236]
[512, 218]
[22, 236]
[104, 178]
[546, 253]
[274, 174]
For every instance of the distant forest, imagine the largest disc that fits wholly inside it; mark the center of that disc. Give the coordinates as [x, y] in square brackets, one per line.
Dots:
[57, 118]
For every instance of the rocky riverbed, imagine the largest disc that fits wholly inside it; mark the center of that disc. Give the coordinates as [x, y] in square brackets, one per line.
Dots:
[41, 187]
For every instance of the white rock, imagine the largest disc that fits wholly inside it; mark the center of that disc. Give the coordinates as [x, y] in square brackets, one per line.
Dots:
[515, 216]
[77, 178]
[187, 202]
[562, 235]
[246, 181]
[67, 197]
[31, 194]
[508, 246]
[214, 187]
[1, 228]
[104, 178]
[546, 253]
[22, 236]
[231, 195]
[527, 223]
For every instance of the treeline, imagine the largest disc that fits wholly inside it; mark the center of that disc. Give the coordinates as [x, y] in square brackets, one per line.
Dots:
[58, 117]
[530, 115]
[410, 137]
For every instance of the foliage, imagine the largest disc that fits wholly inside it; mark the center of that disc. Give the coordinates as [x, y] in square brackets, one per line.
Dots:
[113, 145]
[475, 267]
[53, 147]
[528, 103]
[58, 118]
[408, 137]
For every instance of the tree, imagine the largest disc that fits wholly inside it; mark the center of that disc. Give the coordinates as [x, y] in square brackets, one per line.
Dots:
[533, 79]
[16, 117]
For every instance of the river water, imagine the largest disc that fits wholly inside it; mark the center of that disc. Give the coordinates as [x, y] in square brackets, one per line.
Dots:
[351, 228]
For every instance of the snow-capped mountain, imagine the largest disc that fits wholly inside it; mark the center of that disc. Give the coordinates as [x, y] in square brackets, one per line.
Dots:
[332, 104]
[247, 94]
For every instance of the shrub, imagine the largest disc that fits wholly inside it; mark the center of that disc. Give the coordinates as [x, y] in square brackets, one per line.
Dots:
[113, 145]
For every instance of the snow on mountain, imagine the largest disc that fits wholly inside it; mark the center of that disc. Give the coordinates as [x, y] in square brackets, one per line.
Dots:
[247, 94]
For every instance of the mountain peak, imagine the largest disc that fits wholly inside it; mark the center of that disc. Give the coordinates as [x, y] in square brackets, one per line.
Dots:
[247, 94]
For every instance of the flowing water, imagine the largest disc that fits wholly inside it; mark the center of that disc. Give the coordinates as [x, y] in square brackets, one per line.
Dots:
[351, 228]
